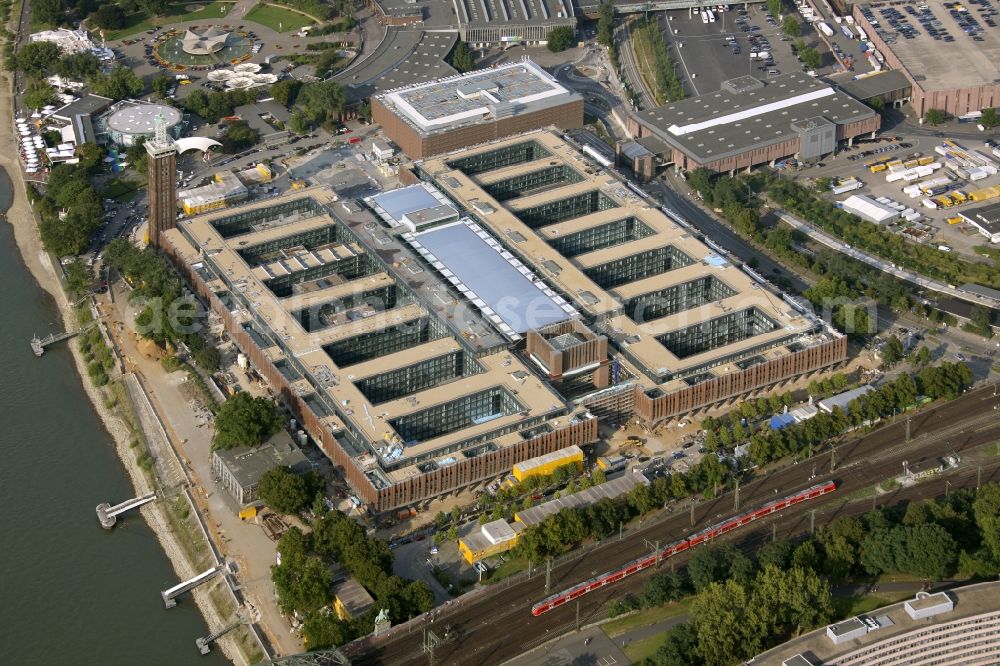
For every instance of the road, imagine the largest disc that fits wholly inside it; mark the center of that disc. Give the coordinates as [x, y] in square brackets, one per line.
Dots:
[669, 192]
[626, 55]
[960, 426]
[873, 261]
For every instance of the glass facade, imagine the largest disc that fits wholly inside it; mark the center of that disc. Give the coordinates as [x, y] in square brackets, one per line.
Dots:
[680, 297]
[638, 266]
[491, 160]
[347, 269]
[386, 341]
[456, 415]
[248, 220]
[717, 332]
[417, 377]
[553, 212]
[322, 316]
[272, 250]
[531, 182]
[618, 232]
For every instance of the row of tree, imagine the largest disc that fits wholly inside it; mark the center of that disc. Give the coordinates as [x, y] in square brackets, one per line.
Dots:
[745, 606]
[317, 104]
[844, 285]
[876, 239]
[168, 315]
[303, 580]
[668, 87]
[70, 210]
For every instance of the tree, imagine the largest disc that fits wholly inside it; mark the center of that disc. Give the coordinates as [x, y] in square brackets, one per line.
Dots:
[321, 102]
[240, 137]
[90, 155]
[775, 554]
[48, 12]
[35, 59]
[929, 551]
[775, 7]
[980, 321]
[791, 601]
[679, 647]
[892, 351]
[876, 103]
[606, 23]
[810, 57]
[322, 629]
[137, 156]
[728, 628]
[561, 38]
[934, 116]
[39, 94]
[161, 84]
[986, 510]
[285, 92]
[283, 490]
[109, 16]
[791, 27]
[245, 421]
[462, 58]
[120, 83]
[922, 357]
[302, 584]
[990, 118]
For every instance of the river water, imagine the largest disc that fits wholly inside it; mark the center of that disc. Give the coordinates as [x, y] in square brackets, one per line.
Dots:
[70, 592]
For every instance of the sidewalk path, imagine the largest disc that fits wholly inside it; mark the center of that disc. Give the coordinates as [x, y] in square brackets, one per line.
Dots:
[242, 8]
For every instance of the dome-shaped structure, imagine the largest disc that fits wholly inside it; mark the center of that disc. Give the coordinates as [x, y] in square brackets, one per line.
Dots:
[240, 82]
[247, 68]
[219, 75]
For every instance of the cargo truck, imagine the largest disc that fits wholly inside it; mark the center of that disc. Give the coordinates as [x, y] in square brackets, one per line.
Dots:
[825, 29]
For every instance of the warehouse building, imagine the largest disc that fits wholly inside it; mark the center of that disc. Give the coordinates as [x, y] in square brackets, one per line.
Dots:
[986, 220]
[239, 470]
[405, 379]
[751, 122]
[958, 627]
[484, 23]
[949, 53]
[687, 329]
[448, 114]
[869, 209]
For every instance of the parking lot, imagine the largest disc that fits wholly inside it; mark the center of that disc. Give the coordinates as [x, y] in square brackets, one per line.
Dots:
[932, 228]
[713, 52]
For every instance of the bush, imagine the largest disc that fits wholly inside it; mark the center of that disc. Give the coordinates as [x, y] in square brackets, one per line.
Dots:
[934, 116]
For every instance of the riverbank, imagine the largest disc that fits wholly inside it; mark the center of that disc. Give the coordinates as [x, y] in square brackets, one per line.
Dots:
[21, 217]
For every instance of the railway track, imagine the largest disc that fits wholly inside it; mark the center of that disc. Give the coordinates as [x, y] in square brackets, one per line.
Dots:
[626, 55]
[957, 426]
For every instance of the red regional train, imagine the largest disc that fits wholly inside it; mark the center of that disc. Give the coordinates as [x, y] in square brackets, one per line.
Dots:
[707, 534]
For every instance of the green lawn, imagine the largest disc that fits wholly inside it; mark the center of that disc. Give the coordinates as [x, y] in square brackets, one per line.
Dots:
[646, 617]
[643, 648]
[844, 607]
[270, 16]
[140, 21]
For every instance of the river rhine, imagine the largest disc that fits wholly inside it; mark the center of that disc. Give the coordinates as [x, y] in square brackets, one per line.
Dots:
[72, 592]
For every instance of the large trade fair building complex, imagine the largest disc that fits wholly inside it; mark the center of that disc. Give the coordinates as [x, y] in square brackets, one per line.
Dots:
[431, 337]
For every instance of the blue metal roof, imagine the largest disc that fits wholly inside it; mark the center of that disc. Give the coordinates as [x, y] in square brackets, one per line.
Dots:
[779, 421]
[503, 285]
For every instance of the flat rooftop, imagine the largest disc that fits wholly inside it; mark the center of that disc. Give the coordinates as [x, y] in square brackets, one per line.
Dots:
[987, 217]
[393, 358]
[920, 39]
[643, 280]
[403, 57]
[479, 13]
[970, 601]
[141, 118]
[471, 98]
[723, 123]
[880, 83]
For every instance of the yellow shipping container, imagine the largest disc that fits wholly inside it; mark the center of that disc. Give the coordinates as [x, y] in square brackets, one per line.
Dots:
[248, 513]
[875, 168]
[924, 161]
[550, 462]
[954, 220]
